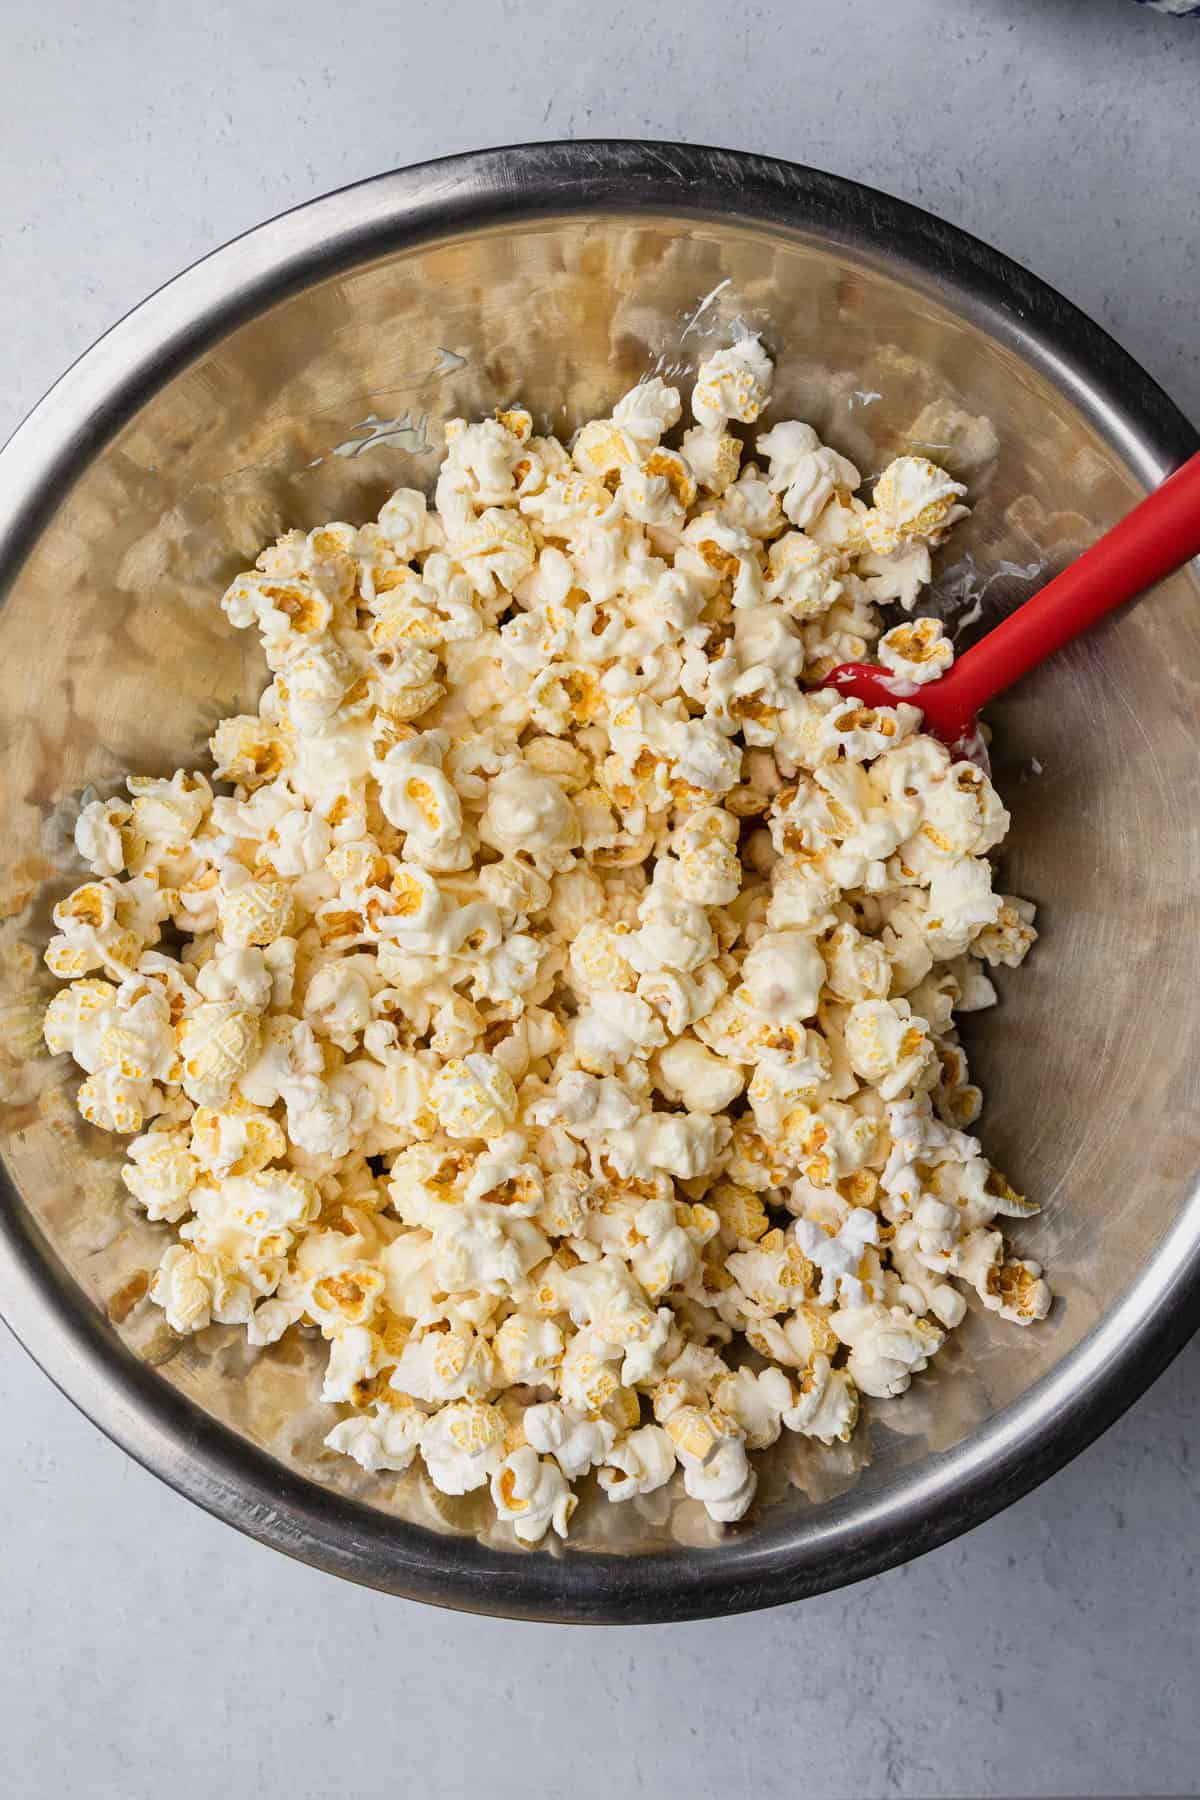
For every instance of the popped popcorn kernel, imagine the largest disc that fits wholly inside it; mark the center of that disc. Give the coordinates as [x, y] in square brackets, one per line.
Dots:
[474, 1097]
[734, 383]
[249, 751]
[532, 1492]
[913, 500]
[917, 651]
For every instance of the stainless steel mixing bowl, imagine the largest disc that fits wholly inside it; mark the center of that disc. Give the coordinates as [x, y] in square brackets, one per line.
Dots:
[301, 373]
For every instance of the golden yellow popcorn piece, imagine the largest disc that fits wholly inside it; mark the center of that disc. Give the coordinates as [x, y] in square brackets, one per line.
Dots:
[1019, 1291]
[251, 1137]
[917, 648]
[217, 1042]
[602, 449]
[473, 1096]
[255, 911]
[112, 1101]
[693, 1432]
[913, 499]
[670, 467]
[740, 1212]
[249, 751]
[348, 1297]
[71, 1010]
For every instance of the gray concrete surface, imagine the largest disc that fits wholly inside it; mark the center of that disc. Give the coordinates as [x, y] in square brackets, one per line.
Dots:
[151, 1650]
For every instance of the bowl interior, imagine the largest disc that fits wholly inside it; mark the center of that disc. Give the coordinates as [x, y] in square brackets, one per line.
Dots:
[114, 656]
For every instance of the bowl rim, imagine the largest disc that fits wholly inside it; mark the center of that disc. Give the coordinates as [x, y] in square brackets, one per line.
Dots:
[71, 1338]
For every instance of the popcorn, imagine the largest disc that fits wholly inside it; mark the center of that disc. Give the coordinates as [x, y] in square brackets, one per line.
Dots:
[774, 1274]
[590, 1379]
[506, 1175]
[804, 471]
[532, 1493]
[659, 490]
[712, 1450]
[899, 576]
[252, 911]
[688, 1074]
[757, 1404]
[218, 1043]
[916, 652]
[1009, 938]
[667, 1239]
[345, 1297]
[477, 1253]
[784, 973]
[647, 412]
[355, 1359]
[564, 1208]
[105, 924]
[234, 972]
[685, 1145]
[161, 1174]
[961, 903]
[418, 799]
[100, 835]
[127, 1029]
[529, 812]
[482, 462]
[639, 1462]
[71, 1012]
[252, 1221]
[387, 1438]
[888, 1346]
[249, 751]
[712, 456]
[596, 958]
[473, 1097]
[888, 1046]
[856, 967]
[827, 1407]
[803, 578]
[529, 1350]
[337, 1003]
[839, 1255]
[497, 551]
[963, 817]
[328, 1118]
[406, 524]
[718, 553]
[612, 1028]
[115, 1102]
[1016, 1291]
[542, 852]
[742, 1216]
[786, 1082]
[449, 1365]
[186, 1287]
[913, 499]
[799, 1340]
[732, 384]
[463, 1446]
[673, 934]
[575, 1439]
[285, 611]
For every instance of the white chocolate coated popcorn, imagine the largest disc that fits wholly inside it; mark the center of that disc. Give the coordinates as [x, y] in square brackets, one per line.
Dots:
[569, 1006]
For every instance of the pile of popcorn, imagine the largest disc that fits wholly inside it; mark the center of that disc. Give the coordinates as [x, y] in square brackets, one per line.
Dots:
[564, 1020]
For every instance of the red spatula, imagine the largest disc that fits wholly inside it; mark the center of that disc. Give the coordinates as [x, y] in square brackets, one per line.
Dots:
[1159, 535]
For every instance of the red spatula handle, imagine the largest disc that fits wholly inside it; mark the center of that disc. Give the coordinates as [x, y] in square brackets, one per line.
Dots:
[1159, 535]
